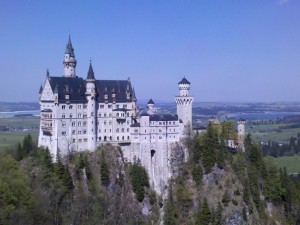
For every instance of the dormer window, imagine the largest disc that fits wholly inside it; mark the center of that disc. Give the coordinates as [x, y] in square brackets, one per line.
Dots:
[105, 96]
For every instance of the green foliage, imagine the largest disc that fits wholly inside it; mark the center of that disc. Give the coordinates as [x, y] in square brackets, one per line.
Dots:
[204, 216]
[226, 198]
[197, 173]
[16, 199]
[218, 216]
[104, 171]
[139, 180]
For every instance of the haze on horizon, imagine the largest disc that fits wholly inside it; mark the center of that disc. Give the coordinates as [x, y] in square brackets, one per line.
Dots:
[231, 51]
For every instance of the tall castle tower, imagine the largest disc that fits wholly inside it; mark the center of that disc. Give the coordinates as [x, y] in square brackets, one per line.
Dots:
[91, 108]
[241, 134]
[184, 103]
[69, 60]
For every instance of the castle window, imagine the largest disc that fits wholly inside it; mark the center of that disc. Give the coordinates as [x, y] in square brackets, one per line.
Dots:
[117, 138]
[79, 132]
[123, 138]
[84, 123]
[110, 122]
[104, 130]
[117, 106]
[110, 138]
[73, 124]
[110, 115]
[99, 138]
[136, 130]
[84, 106]
[105, 96]
[85, 140]
[63, 116]
[79, 140]
[79, 115]
[79, 107]
[124, 106]
[79, 124]
[84, 132]
[101, 106]
[73, 131]
[104, 122]
[73, 140]
[117, 130]
[104, 114]
[122, 130]
[110, 130]
[99, 114]
[63, 106]
[92, 114]
[84, 116]
[70, 107]
[109, 106]
[63, 124]
[71, 115]
[127, 129]
[127, 137]
[159, 123]
[174, 122]
[127, 114]
[64, 133]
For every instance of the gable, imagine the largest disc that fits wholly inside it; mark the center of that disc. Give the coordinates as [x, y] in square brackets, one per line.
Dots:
[47, 93]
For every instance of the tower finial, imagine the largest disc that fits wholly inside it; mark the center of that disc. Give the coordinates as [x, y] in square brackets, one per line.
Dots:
[47, 73]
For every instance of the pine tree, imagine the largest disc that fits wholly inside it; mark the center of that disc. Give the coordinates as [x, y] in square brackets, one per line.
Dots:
[204, 214]
[104, 171]
[218, 217]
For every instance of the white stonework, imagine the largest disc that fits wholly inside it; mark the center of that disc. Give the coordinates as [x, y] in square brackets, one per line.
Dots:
[78, 114]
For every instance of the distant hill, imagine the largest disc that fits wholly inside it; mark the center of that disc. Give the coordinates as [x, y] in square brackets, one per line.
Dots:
[18, 106]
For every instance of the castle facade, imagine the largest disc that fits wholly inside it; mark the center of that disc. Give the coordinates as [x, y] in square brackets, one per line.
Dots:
[81, 114]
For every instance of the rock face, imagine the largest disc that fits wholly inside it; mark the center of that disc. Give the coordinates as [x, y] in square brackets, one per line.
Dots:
[235, 219]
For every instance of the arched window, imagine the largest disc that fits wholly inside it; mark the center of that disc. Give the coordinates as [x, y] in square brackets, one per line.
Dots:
[63, 115]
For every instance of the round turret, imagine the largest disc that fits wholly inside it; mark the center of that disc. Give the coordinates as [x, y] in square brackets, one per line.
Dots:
[184, 87]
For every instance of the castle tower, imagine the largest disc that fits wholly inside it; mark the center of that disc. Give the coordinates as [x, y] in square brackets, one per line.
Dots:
[151, 108]
[241, 134]
[69, 60]
[91, 109]
[184, 103]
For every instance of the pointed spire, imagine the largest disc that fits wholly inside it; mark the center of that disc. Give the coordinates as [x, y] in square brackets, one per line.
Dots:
[47, 73]
[133, 95]
[150, 102]
[69, 48]
[41, 90]
[90, 75]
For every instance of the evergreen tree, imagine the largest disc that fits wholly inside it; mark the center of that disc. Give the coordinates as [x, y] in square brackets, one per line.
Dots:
[218, 217]
[104, 171]
[204, 214]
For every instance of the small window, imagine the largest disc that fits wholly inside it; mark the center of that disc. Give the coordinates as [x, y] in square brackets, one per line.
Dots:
[64, 133]
[101, 106]
[70, 107]
[63, 106]
[63, 116]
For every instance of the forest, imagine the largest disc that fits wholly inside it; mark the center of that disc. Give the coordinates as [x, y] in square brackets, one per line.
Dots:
[215, 186]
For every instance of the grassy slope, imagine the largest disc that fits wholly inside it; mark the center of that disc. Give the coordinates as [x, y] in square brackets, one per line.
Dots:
[292, 163]
[11, 138]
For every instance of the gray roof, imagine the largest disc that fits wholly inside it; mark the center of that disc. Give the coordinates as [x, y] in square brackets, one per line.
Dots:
[75, 87]
[151, 101]
[135, 125]
[120, 88]
[163, 117]
[69, 48]
[184, 81]
[90, 75]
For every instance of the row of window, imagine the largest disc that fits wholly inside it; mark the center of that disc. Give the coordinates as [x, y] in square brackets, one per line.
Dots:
[71, 106]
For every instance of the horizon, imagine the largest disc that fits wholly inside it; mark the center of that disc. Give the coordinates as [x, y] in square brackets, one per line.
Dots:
[230, 52]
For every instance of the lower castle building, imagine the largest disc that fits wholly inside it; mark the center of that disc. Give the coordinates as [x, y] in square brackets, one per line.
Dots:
[81, 114]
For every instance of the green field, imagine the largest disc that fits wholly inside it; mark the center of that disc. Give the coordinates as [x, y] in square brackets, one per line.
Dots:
[19, 127]
[267, 132]
[292, 163]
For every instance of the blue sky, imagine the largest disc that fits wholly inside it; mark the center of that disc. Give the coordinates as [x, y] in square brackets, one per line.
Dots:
[230, 50]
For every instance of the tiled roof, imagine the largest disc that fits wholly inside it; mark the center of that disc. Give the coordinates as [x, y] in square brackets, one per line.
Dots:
[74, 87]
[184, 81]
[151, 101]
[120, 88]
[163, 117]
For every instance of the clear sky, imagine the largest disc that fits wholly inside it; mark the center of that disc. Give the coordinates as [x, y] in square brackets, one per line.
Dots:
[230, 50]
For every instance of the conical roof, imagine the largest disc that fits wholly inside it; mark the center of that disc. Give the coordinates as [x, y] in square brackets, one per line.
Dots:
[184, 81]
[69, 48]
[90, 74]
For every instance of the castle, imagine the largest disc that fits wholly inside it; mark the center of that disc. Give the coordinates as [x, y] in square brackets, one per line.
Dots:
[81, 114]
